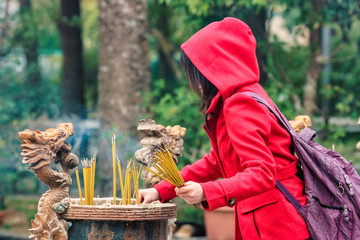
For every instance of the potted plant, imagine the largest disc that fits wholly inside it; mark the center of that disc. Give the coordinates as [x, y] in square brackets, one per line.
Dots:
[220, 224]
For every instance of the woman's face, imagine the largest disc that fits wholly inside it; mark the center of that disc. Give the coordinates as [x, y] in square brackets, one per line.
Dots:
[196, 87]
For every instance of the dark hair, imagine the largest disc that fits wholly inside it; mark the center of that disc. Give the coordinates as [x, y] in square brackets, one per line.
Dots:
[202, 87]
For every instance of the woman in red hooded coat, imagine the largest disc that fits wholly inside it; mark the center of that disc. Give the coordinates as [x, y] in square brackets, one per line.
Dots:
[250, 149]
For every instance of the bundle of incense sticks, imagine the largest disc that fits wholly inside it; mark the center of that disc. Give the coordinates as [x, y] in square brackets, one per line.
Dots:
[89, 167]
[125, 186]
[166, 167]
[131, 173]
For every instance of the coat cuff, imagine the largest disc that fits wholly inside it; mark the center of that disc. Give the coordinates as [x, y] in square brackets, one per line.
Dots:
[214, 194]
[166, 191]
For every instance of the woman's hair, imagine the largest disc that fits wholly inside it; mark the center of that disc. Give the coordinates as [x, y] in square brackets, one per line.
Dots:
[202, 87]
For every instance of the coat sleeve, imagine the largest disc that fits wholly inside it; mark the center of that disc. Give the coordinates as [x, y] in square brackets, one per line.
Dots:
[249, 126]
[203, 170]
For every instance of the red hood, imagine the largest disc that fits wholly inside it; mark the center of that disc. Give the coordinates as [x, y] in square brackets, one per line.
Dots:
[224, 52]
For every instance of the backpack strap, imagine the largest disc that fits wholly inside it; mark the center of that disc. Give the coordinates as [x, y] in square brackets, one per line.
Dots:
[280, 117]
[288, 195]
[307, 134]
[285, 123]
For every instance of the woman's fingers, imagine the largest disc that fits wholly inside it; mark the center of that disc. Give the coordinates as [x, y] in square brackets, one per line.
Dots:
[191, 193]
[183, 190]
[148, 195]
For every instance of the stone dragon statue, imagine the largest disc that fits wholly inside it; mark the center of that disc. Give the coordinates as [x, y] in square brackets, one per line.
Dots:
[39, 149]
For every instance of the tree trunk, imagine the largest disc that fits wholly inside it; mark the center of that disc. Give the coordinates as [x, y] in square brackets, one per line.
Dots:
[30, 45]
[167, 68]
[73, 101]
[310, 88]
[123, 60]
[257, 22]
[315, 67]
[123, 73]
[313, 74]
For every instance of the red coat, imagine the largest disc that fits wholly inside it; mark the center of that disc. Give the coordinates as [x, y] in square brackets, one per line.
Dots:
[250, 149]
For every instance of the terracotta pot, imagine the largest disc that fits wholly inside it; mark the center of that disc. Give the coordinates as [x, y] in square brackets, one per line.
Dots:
[220, 224]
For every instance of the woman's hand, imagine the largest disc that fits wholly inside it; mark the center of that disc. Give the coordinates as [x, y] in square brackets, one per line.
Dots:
[192, 193]
[148, 195]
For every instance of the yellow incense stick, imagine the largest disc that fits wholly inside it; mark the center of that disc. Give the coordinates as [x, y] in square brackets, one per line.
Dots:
[85, 185]
[129, 184]
[121, 179]
[114, 168]
[136, 183]
[79, 186]
[91, 182]
[126, 188]
[134, 179]
[88, 174]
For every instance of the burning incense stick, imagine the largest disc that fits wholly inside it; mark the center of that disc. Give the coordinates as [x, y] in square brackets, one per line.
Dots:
[87, 180]
[79, 186]
[92, 180]
[85, 185]
[166, 167]
[114, 168]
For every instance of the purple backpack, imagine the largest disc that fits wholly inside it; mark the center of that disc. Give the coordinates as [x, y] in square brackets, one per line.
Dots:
[332, 185]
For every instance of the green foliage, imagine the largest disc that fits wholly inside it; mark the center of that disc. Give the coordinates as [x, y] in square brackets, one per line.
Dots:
[179, 107]
[198, 7]
[342, 91]
[27, 205]
[345, 144]
[188, 213]
[206, 8]
[287, 72]
[22, 101]
[45, 17]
